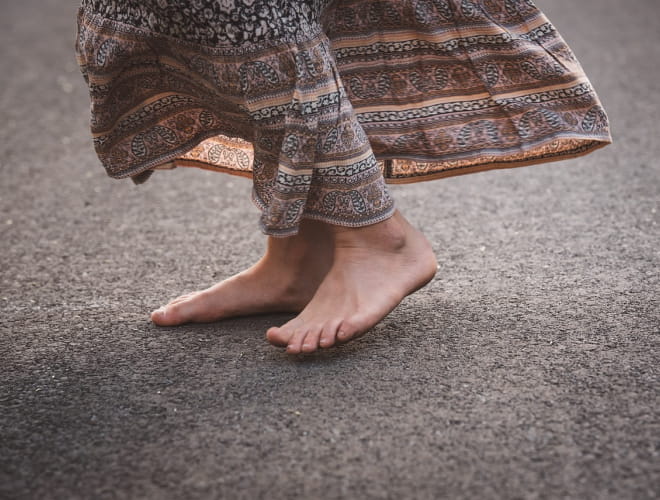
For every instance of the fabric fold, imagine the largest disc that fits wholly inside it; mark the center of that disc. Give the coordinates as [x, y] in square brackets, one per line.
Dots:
[321, 102]
[312, 157]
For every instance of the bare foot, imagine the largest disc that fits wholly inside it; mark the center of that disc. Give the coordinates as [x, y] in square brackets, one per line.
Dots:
[374, 268]
[283, 280]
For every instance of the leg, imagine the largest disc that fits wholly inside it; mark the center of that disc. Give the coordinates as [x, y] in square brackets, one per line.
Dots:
[283, 280]
[374, 268]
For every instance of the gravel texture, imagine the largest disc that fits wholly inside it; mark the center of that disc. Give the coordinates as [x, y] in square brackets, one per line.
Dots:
[528, 369]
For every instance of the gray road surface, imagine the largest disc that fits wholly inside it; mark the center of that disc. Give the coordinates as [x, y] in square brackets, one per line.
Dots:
[528, 369]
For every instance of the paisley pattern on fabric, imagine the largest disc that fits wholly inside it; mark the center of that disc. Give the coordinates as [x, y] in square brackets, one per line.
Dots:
[319, 101]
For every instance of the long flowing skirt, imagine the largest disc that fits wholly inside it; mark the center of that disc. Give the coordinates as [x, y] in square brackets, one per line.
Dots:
[323, 101]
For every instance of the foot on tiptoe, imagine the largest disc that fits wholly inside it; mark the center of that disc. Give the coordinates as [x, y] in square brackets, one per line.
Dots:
[374, 268]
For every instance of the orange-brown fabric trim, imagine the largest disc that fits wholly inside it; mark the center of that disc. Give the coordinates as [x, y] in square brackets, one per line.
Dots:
[495, 166]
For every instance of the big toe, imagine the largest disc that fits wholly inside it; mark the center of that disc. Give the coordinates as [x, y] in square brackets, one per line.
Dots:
[166, 316]
[278, 336]
[159, 316]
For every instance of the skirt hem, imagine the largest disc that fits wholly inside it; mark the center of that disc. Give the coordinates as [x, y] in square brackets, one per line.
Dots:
[171, 161]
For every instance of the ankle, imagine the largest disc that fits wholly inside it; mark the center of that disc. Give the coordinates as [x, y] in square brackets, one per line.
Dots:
[390, 235]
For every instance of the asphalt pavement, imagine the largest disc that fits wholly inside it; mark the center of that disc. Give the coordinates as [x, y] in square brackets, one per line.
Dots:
[528, 369]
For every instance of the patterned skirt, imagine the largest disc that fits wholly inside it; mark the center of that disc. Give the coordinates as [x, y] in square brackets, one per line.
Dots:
[323, 101]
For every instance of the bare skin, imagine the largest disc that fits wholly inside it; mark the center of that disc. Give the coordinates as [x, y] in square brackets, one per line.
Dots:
[374, 268]
[283, 280]
[341, 281]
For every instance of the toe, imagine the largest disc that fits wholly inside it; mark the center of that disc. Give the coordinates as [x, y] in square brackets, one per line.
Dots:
[295, 343]
[275, 336]
[158, 316]
[280, 336]
[311, 342]
[329, 333]
[173, 314]
[347, 330]
[180, 310]
[165, 316]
